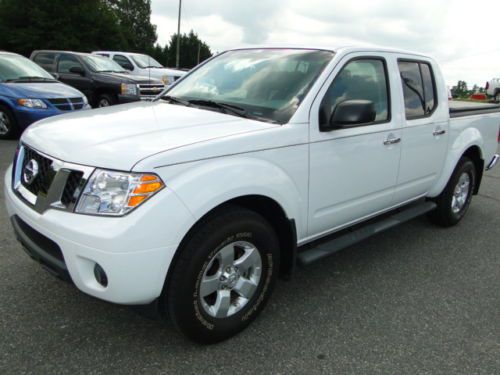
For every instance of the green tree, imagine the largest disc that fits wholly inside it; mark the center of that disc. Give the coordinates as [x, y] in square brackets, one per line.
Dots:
[192, 50]
[135, 23]
[82, 25]
[460, 89]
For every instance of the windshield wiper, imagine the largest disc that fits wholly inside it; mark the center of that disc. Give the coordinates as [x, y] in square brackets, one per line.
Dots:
[224, 106]
[234, 109]
[31, 79]
[173, 99]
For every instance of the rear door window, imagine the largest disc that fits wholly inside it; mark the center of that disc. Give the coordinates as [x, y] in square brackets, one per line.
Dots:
[419, 89]
[45, 60]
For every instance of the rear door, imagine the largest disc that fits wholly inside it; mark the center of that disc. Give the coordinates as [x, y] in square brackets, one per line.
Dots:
[353, 170]
[425, 128]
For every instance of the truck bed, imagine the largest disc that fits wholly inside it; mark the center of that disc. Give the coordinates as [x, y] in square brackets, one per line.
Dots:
[460, 109]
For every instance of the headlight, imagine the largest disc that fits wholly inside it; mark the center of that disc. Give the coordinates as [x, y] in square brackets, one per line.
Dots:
[129, 89]
[32, 103]
[117, 193]
[166, 80]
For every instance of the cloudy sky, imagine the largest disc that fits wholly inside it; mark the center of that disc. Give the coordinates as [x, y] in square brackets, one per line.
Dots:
[463, 35]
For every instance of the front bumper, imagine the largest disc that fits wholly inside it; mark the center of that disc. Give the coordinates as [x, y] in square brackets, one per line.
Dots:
[27, 116]
[135, 251]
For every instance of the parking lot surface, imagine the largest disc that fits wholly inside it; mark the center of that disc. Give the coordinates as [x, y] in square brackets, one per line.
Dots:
[415, 299]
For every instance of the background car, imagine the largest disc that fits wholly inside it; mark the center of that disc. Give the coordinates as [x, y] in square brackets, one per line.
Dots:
[103, 81]
[144, 65]
[493, 88]
[28, 93]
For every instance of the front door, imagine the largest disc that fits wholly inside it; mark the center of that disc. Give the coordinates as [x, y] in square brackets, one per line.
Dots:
[353, 168]
[80, 82]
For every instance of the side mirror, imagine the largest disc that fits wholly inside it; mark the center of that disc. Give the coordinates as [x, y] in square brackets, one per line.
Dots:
[77, 70]
[351, 113]
[55, 75]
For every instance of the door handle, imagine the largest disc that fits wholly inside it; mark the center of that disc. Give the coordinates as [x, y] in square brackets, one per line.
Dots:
[391, 141]
[438, 132]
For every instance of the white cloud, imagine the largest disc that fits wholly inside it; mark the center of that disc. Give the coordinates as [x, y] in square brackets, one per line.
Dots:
[461, 34]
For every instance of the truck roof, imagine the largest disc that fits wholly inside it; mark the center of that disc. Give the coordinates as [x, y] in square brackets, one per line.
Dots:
[336, 49]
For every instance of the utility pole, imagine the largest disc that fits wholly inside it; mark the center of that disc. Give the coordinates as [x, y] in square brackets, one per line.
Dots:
[178, 36]
[199, 50]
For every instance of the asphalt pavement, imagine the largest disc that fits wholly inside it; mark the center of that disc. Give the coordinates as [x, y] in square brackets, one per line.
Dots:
[416, 299]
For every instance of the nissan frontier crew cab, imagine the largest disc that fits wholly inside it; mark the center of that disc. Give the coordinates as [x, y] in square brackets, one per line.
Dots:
[257, 160]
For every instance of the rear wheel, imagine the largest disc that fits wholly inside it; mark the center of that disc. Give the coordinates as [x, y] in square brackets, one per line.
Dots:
[8, 125]
[453, 202]
[223, 277]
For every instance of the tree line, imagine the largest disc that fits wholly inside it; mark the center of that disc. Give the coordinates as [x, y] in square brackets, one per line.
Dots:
[89, 25]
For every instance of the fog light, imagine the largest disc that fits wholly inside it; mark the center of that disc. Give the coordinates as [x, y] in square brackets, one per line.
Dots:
[100, 275]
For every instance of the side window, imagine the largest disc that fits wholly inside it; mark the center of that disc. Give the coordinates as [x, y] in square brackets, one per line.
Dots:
[429, 87]
[363, 79]
[418, 88]
[123, 62]
[66, 62]
[45, 60]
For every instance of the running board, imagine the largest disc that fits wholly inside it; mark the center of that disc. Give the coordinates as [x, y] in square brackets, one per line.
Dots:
[330, 247]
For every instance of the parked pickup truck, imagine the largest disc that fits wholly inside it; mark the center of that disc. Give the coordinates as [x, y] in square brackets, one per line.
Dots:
[143, 65]
[493, 88]
[257, 160]
[103, 81]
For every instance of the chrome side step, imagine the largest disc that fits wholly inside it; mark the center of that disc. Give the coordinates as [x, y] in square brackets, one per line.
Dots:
[330, 247]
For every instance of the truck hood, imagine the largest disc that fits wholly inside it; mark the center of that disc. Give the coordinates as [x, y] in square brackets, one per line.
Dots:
[41, 90]
[118, 137]
[129, 78]
[159, 73]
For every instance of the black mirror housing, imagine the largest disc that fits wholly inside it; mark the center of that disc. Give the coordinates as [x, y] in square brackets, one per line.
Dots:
[351, 113]
[77, 70]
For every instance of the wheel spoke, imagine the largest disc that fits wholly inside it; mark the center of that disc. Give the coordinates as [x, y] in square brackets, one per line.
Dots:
[222, 303]
[226, 255]
[209, 284]
[245, 287]
[251, 259]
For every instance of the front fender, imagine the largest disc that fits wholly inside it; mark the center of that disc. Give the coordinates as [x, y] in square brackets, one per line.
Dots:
[469, 137]
[207, 184]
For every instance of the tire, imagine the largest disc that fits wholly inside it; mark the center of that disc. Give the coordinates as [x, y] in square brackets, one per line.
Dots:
[106, 100]
[9, 128]
[454, 201]
[204, 264]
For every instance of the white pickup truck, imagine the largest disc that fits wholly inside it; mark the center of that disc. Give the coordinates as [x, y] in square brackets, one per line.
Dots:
[258, 160]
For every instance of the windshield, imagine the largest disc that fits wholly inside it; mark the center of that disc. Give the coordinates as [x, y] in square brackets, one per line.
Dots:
[102, 64]
[15, 67]
[267, 83]
[145, 61]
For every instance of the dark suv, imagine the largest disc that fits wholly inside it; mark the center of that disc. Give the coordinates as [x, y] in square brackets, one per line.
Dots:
[102, 80]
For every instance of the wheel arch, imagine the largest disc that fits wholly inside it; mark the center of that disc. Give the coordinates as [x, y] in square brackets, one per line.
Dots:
[468, 143]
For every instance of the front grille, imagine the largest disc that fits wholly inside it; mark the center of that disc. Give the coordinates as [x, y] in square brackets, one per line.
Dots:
[67, 104]
[150, 91]
[42, 181]
[56, 185]
[73, 188]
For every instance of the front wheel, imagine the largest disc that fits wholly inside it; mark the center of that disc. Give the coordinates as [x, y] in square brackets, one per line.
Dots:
[223, 277]
[8, 125]
[106, 100]
[453, 202]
